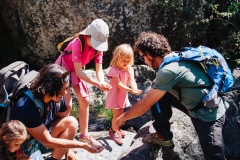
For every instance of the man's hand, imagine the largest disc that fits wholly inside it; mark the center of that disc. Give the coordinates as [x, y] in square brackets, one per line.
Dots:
[104, 86]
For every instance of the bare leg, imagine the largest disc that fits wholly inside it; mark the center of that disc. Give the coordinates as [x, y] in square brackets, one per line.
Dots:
[83, 110]
[116, 114]
[68, 102]
[65, 128]
[83, 119]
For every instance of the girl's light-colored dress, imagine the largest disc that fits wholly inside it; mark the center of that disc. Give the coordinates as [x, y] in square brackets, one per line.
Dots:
[117, 97]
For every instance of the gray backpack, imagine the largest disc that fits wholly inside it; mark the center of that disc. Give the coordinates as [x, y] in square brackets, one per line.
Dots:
[14, 80]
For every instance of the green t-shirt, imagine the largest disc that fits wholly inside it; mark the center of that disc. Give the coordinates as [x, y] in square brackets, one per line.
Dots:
[194, 84]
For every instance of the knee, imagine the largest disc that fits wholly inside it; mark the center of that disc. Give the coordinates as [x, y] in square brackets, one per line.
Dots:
[71, 122]
[69, 106]
[84, 101]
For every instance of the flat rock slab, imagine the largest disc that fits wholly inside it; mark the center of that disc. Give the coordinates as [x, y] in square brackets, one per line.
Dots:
[112, 150]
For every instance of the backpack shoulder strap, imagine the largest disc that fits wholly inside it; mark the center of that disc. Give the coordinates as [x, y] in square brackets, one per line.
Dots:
[37, 102]
[57, 107]
[9, 76]
[61, 46]
[23, 84]
[96, 53]
[13, 67]
[172, 57]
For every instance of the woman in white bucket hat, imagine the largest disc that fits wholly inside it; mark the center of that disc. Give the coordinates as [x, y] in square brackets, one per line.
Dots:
[83, 49]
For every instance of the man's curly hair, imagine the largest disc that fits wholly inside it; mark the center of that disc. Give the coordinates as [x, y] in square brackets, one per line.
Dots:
[153, 43]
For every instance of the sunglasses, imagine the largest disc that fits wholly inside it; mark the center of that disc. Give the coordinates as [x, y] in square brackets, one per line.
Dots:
[141, 57]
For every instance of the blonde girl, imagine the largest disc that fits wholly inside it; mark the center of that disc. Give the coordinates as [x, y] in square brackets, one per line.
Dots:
[12, 134]
[121, 76]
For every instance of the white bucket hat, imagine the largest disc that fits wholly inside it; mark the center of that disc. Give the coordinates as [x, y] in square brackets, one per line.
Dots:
[99, 32]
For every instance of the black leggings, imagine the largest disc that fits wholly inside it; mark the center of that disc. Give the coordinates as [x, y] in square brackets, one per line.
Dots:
[209, 133]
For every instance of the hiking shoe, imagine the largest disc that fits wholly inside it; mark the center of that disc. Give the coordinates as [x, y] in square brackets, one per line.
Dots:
[153, 138]
[122, 133]
[89, 140]
[116, 137]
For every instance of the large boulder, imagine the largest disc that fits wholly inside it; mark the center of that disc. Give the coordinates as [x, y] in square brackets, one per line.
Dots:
[231, 130]
[40, 25]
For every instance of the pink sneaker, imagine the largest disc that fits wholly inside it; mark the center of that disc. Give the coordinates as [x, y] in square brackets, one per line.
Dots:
[116, 137]
[89, 140]
[122, 133]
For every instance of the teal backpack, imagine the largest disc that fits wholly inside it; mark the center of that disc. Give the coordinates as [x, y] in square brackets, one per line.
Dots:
[213, 64]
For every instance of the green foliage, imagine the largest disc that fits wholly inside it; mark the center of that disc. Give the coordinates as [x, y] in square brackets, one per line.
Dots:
[98, 111]
[75, 109]
[213, 23]
[231, 48]
[102, 112]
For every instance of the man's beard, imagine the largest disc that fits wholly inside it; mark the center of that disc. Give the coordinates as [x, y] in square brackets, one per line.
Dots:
[155, 67]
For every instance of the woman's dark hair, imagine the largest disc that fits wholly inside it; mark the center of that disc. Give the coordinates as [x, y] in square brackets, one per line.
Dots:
[50, 81]
[153, 43]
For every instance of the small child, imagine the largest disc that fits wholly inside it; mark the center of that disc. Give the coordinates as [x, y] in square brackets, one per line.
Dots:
[121, 76]
[12, 134]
